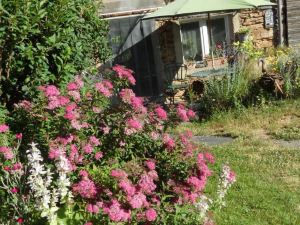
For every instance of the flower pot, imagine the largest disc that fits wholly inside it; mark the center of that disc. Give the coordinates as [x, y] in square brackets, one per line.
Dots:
[243, 37]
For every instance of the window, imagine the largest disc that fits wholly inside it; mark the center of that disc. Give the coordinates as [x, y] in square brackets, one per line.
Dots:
[218, 32]
[191, 42]
[195, 38]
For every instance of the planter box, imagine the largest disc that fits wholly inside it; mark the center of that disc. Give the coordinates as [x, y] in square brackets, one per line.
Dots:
[218, 62]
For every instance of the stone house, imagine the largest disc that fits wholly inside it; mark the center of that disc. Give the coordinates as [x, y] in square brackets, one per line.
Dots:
[153, 48]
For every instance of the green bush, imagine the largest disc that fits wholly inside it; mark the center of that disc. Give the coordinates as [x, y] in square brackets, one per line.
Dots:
[288, 66]
[46, 42]
[285, 61]
[247, 48]
[228, 91]
[95, 162]
[242, 87]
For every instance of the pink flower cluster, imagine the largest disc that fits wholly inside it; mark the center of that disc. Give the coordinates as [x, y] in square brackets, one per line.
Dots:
[124, 73]
[105, 87]
[138, 200]
[195, 184]
[25, 105]
[231, 177]
[50, 90]
[86, 188]
[116, 213]
[55, 100]
[169, 142]
[17, 167]
[54, 153]
[72, 114]
[127, 187]
[150, 214]
[7, 152]
[94, 141]
[187, 144]
[3, 128]
[67, 146]
[146, 182]
[19, 136]
[185, 114]
[209, 157]
[132, 126]
[74, 88]
[76, 85]
[70, 104]
[161, 113]
[150, 164]
[136, 195]
[128, 96]
[92, 208]
[14, 190]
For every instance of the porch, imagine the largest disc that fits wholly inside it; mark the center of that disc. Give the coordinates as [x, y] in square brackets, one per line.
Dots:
[172, 50]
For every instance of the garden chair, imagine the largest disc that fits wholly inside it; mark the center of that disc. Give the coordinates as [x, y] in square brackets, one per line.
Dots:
[175, 74]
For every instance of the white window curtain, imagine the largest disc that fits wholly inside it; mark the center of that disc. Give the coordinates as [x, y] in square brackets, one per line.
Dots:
[191, 42]
[204, 37]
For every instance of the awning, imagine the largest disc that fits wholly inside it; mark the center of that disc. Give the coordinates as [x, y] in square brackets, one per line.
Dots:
[114, 7]
[190, 7]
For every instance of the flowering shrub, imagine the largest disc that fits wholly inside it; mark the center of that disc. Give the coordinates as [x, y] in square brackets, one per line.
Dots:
[96, 155]
[248, 48]
[285, 61]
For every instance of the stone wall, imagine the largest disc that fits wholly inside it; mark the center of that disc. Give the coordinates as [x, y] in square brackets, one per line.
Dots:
[166, 42]
[254, 19]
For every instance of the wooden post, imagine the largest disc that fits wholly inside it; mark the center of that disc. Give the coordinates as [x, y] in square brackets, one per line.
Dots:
[210, 40]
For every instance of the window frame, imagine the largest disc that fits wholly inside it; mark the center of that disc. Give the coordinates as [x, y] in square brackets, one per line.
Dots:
[204, 33]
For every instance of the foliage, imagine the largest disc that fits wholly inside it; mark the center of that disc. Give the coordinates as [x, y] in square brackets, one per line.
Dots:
[223, 93]
[47, 42]
[240, 85]
[286, 61]
[244, 30]
[248, 49]
[99, 156]
[3, 114]
[288, 133]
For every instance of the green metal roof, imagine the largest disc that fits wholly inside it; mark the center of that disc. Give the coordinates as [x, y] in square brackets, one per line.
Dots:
[189, 7]
[259, 3]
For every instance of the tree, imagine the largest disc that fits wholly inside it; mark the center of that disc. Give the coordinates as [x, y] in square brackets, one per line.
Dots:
[47, 41]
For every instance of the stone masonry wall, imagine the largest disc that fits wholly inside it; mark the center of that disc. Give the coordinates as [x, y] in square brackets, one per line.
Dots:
[166, 42]
[254, 19]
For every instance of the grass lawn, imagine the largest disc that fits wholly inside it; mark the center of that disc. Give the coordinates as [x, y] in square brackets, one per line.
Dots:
[268, 187]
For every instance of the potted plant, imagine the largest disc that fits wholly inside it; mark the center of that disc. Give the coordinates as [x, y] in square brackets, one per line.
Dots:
[243, 34]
